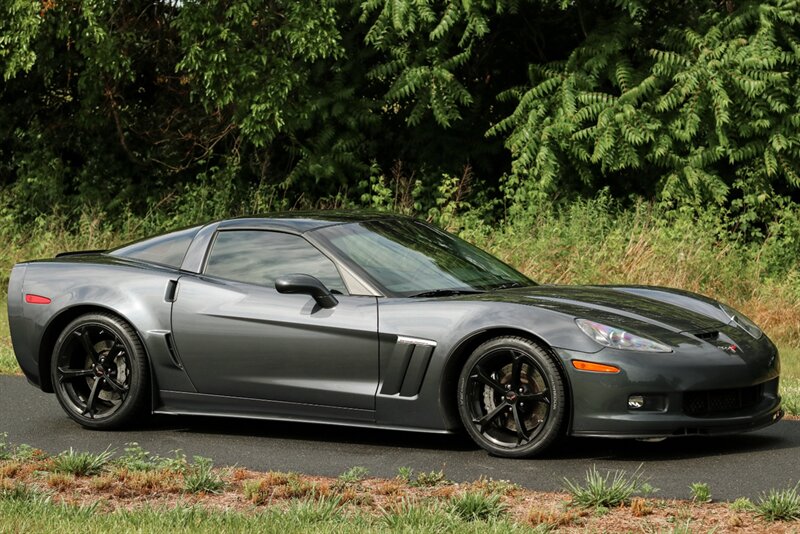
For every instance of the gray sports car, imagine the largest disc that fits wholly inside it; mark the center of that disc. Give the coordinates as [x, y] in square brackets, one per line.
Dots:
[379, 321]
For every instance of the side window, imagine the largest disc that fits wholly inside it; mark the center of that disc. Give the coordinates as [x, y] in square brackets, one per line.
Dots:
[259, 257]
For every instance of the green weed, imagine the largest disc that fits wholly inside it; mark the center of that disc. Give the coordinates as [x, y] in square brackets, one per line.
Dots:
[701, 492]
[322, 510]
[405, 473]
[81, 463]
[607, 491]
[783, 505]
[742, 504]
[414, 517]
[477, 506]
[20, 492]
[353, 475]
[201, 477]
[5, 448]
[434, 478]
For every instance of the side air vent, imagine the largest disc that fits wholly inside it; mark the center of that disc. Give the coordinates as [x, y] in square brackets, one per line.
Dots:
[173, 353]
[407, 366]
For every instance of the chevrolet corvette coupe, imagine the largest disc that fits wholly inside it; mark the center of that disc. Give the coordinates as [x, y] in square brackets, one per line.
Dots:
[380, 321]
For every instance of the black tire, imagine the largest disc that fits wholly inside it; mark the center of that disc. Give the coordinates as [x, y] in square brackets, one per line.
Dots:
[100, 372]
[511, 397]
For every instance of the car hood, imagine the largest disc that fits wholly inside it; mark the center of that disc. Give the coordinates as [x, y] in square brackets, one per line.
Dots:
[633, 306]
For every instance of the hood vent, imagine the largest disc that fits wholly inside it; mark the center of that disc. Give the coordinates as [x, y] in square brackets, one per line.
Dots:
[710, 335]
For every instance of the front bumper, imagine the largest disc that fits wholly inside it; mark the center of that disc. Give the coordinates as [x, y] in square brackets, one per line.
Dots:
[694, 392]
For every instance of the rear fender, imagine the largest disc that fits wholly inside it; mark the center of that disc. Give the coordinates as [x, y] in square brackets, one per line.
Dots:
[137, 295]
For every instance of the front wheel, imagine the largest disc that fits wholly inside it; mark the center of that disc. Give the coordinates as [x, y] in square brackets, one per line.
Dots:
[100, 372]
[511, 397]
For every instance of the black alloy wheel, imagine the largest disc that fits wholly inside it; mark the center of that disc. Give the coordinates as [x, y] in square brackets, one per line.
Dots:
[99, 371]
[511, 397]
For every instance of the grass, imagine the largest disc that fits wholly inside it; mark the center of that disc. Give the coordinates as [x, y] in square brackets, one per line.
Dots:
[433, 478]
[23, 515]
[613, 489]
[35, 496]
[8, 363]
[779, 505]
[81, 464]
[701, 492]
[477, 506]
[353, 475]
[201, 478]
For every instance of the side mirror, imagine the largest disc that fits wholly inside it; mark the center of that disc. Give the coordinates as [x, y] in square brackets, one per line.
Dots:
[307, 285]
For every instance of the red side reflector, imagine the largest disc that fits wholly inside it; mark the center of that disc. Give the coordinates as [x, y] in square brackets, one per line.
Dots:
[596, 367]
[36, 299]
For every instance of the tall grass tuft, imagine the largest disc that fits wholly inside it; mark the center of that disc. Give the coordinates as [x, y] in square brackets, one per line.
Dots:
[477, 506]
[81, 464]
[783, 505]
[200, 477]
[613, 489]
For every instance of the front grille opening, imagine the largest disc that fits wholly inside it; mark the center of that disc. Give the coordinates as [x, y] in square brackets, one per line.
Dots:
[720, 401]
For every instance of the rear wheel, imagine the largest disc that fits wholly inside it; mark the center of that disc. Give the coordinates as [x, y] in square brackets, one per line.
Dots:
[99, 371]
[511, 397]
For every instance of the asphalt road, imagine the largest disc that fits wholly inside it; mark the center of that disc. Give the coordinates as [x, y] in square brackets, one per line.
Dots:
[737, 466]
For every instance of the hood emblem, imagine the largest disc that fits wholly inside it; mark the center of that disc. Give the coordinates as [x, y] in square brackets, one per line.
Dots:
[730, 349]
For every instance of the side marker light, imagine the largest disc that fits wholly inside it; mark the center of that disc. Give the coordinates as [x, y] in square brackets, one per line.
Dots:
[36, 299]
[595, 367]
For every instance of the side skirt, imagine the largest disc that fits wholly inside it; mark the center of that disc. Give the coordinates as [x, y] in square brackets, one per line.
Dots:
[182, 403]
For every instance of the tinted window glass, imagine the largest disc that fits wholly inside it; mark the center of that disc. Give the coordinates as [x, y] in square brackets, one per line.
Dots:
[259, 257]
[168, 249]
[408, 257]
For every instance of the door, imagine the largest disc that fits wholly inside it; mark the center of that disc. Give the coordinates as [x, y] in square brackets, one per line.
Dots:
[239, 337]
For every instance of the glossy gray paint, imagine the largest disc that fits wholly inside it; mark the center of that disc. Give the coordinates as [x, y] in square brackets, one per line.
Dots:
[226, 348]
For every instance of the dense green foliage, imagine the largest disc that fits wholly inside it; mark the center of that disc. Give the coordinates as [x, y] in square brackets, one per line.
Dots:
[119, 105]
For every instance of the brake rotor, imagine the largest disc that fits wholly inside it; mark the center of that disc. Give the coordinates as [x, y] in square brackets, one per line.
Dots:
[107, 394]
[533, 417]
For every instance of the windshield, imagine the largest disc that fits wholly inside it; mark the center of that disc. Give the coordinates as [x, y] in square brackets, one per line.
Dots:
[409, 258]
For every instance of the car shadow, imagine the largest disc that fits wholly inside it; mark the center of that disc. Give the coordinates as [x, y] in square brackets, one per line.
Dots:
[688, 447]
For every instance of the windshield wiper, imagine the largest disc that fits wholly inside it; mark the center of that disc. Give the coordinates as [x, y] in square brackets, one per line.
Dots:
[446, 292]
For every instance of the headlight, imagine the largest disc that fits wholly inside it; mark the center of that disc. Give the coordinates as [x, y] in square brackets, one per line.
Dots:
[616, 338]
[742, 322]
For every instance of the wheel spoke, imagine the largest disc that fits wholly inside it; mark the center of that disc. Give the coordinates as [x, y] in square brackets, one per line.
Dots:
[71, 374]
[88, 346]
[88, 410]
[482, 377]
[540, 396]
[116, 350]
[522, 432]
[484, 421]
[116, 386]
[516, 371]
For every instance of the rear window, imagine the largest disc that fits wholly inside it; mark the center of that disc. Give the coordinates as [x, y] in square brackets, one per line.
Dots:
[168, 249]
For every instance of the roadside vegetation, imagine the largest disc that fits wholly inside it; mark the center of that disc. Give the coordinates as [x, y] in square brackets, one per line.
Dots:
[137, 491]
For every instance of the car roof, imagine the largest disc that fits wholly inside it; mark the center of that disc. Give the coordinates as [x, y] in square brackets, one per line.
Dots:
[303, 221]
